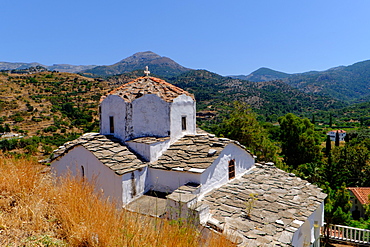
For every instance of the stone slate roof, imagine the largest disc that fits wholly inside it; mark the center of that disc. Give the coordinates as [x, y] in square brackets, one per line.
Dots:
[192, 152]
[106, 149]
[283, 203]
[149, 140]
[361, 193]
[148, 85]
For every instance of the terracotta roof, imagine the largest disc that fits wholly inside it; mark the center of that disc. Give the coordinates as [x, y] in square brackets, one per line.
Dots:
[107, 150]
[284, 202]
[362, 194]
[192, 151]
[335, 131]
[148, 85]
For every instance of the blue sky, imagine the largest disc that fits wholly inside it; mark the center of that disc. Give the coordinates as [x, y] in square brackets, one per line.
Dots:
[225, 37]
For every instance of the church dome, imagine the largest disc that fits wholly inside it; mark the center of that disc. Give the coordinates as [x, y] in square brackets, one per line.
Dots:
[148, 85]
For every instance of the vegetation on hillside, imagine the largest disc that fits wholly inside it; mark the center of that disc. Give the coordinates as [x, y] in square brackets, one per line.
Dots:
[37, 211]
[47, 109]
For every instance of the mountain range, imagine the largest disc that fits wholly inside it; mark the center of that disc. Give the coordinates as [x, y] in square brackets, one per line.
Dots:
[343, 83]
[346, 83]
[55, 67]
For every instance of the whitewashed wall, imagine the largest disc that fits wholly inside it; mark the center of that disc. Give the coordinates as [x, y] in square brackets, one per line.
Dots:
[218, 173]
[115, 106]
[150, 152]
[133, 185]
[310, 229]
[94, 170]
[183, 105]
[168, 181]
[150, 116]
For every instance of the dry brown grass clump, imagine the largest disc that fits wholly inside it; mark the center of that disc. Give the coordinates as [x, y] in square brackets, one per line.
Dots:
[35, 211]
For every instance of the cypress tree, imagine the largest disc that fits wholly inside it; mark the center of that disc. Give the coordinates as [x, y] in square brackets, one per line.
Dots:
[337, 139]
[346, 138]
[330, 120]
[328, 145]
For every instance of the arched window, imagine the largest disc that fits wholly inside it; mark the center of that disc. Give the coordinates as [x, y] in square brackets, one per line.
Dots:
[183, 123]
[82, 171]
[111, 124]
[231, 169]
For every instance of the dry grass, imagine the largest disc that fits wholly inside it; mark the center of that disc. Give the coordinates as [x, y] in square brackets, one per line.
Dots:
[34, 211]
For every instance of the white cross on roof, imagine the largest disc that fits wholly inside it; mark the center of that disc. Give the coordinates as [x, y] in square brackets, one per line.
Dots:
[146, 71]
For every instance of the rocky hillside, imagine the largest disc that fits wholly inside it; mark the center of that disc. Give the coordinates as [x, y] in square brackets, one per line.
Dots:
[33, 103]
[158, 65]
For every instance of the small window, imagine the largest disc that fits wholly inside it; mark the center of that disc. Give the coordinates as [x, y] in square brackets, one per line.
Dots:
[183, 123]
[232, 169]
[111, 124]
[82, 171]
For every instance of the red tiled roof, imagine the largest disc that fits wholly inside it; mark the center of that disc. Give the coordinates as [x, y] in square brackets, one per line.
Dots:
[148, 85]
[339, 131]
[362, 194]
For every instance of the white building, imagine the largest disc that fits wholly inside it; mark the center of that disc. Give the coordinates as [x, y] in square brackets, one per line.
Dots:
[333, 133]
[148, 144]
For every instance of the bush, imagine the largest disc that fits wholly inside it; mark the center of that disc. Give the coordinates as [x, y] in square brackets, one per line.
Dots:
[18, 119]
[51, 128]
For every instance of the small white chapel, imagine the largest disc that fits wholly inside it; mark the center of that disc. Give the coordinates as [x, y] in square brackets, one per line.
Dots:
[149, 154]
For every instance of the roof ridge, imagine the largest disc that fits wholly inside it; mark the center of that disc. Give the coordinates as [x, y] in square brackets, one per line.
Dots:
[148, 85]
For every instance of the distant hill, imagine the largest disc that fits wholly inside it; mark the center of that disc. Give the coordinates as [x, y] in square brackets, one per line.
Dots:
[69, 68]
[55, 67]
[262, 74]
[344, 82]
[348, 83]
[11, 66]
[158, 65]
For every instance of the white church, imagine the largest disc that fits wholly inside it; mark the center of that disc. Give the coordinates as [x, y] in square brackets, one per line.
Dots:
[149, 154]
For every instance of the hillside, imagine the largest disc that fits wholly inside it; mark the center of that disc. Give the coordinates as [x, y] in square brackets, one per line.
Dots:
[162, 66]
[344, 82]
[348, 83]
[52, 107]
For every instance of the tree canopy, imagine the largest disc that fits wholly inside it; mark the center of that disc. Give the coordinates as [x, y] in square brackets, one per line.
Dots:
[299, 142]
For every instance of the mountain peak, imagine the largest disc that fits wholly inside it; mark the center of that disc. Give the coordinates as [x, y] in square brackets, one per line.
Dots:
[144, 55]
[158, 65]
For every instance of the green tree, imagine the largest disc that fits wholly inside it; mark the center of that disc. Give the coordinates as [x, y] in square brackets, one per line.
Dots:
[328, 145]
[353, 161]
[337, 205]
[312, 172]
[337, 139]
[7, 128]
[299, 142]
[242, 125]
